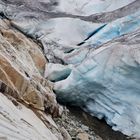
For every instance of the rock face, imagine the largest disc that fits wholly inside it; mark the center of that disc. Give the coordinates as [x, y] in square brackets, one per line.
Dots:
[21, 66]
[22, 87]
[20, 123]
[93, 54]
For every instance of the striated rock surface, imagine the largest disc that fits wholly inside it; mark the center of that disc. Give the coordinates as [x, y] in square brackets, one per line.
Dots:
[21, 65]
[93, 56]
[24, 93]
[17, 122]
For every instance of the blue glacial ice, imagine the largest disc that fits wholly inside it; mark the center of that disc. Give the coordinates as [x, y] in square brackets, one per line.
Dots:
[114, 29]
[106, 84]
[105, 81]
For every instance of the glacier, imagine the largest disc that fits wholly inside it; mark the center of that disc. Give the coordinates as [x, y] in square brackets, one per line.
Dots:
[106, 84]
[89, 7]
[93, 50]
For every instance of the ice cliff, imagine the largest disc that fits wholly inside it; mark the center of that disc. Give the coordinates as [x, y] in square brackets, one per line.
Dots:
[93, 49]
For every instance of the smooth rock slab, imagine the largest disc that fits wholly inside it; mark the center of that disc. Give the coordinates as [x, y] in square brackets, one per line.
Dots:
[20, 123]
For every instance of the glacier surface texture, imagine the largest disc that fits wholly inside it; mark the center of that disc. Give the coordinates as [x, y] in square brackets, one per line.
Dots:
[93, 49]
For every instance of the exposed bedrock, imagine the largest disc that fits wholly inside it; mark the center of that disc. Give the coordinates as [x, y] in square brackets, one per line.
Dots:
[94, 57]
[25, 95]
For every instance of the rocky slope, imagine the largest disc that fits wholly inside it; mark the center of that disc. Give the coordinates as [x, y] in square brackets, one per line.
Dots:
[24, 93]
[93, 54]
